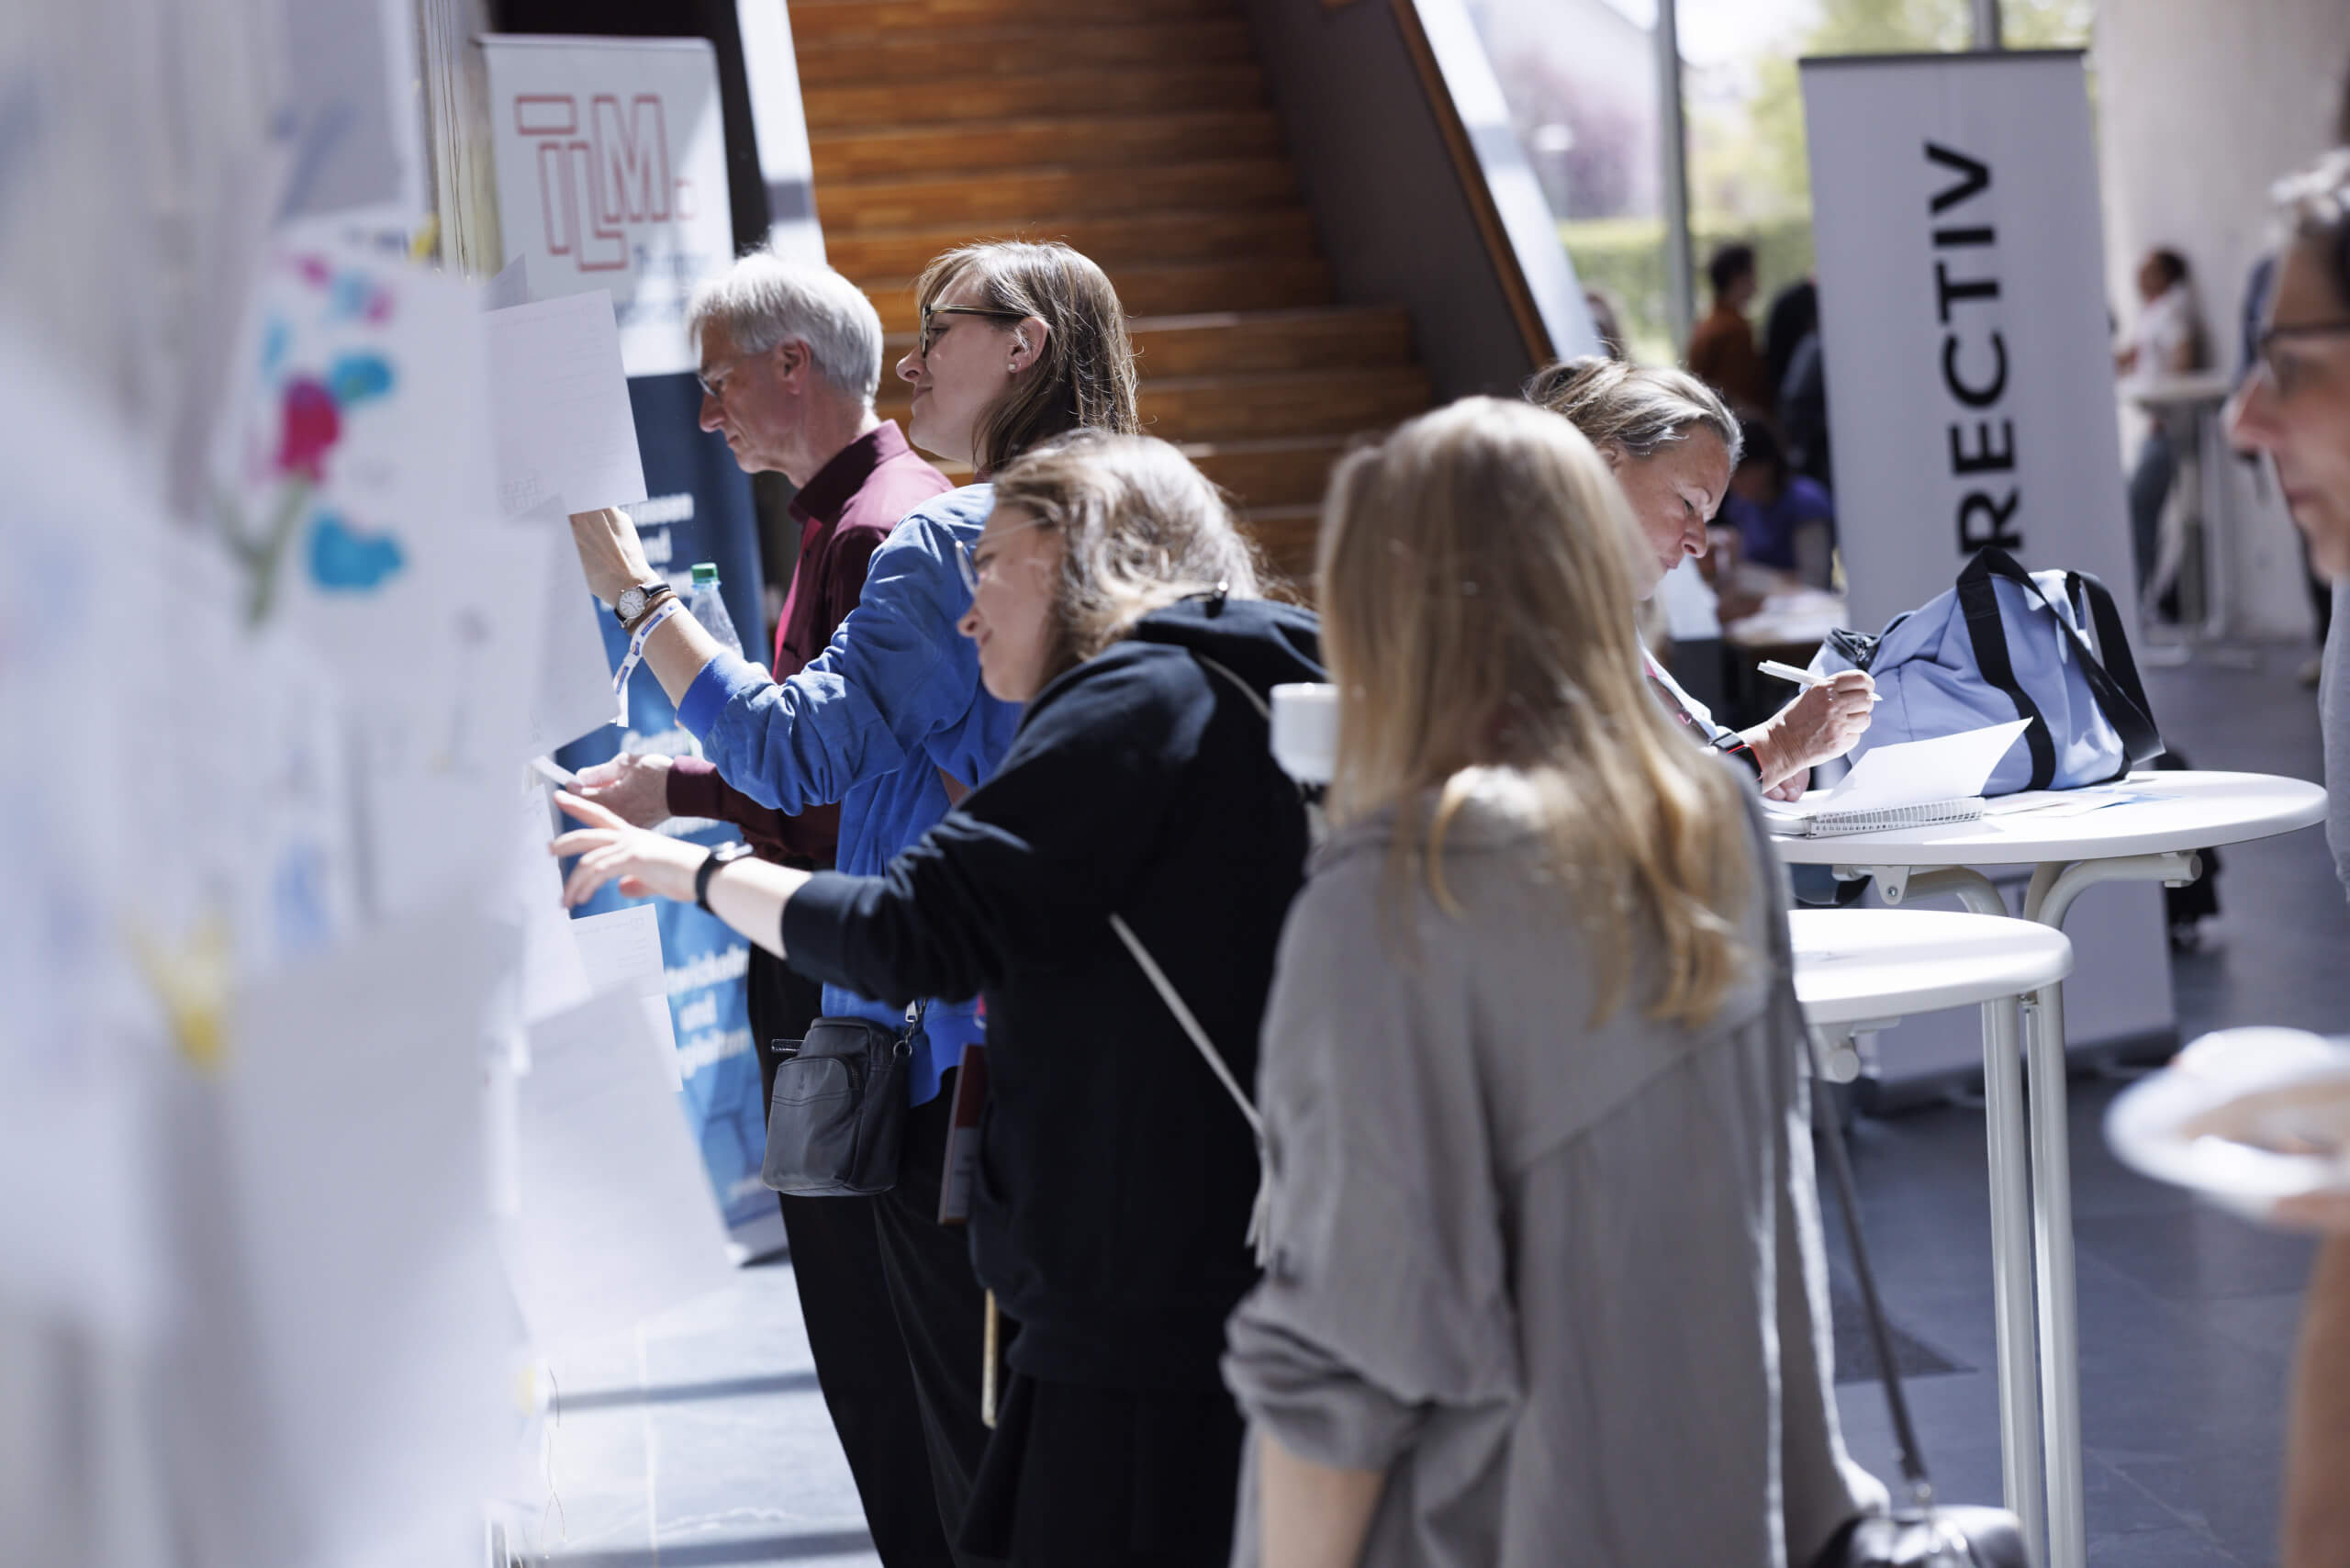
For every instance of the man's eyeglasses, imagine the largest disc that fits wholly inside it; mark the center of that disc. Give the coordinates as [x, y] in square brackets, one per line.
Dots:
[931, 331]
[2285, 370]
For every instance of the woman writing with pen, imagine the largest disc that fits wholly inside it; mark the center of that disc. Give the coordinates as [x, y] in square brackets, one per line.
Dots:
[1672, 445]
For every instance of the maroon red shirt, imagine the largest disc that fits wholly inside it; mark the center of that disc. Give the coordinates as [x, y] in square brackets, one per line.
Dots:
[844, 512]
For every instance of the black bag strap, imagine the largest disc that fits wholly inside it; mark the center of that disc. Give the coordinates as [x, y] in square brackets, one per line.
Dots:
[1979, 600]
[1830, 1130]
[2112, 672]
[2126, 705]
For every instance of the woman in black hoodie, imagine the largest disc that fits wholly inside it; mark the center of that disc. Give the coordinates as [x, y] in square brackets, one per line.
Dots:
[1114, 596]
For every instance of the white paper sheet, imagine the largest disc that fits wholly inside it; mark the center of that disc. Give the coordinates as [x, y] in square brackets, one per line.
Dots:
[1913, 773]
[510, 287]
[553, 979]
[616, 1219]
[343, 1267]
[572, 693]
[559, 408]
[621, 950]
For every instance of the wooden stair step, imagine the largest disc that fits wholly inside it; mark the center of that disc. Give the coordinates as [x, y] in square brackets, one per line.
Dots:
[1109, 240]
[831, 21]
[1289, 536]
[1282, 403]
[1213, 87]
[984, 200]
[1078, 141]
[1320, 337]
[1173, 289]
[1289, 471]
[1087, 44]
[1216, 409]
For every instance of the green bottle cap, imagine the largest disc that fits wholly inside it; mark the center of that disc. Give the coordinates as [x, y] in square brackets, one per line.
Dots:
[705, 572]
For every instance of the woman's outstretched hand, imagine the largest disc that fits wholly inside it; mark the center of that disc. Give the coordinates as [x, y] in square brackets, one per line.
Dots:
[645, 862]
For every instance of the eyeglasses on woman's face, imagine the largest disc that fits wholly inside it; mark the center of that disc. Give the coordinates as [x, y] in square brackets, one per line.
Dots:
[2280, 355]
[974, 561]
[932, 330]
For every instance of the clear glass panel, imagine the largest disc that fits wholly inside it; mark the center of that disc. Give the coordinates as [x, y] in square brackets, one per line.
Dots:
[1581, 80]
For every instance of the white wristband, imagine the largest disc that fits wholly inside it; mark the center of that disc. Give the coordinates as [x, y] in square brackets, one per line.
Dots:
[667, 608]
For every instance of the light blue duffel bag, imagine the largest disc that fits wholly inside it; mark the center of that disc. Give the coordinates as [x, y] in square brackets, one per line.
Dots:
[2005, 645]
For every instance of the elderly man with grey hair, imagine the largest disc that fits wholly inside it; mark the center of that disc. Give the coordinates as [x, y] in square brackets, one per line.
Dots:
[790, 359]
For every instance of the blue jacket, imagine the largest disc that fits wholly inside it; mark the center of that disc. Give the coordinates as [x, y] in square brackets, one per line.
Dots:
[870, 722]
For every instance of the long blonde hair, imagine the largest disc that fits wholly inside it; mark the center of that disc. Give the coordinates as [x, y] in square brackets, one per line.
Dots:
[1476, 594]
[1140, 528]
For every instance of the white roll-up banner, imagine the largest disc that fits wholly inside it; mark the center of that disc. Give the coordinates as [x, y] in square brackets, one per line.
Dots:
[1970, 402]
[1963, 319]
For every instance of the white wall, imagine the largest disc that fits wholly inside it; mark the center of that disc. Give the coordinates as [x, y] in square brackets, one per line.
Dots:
[2200, 105]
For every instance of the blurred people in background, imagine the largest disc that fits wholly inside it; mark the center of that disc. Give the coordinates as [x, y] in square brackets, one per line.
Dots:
[790, 359]
[1606, 320]
[1548, 1284]
[1117, 599]
[2295, 407]
[1783, 519]
[1721, 347]
[1019, 343]
[1793, 315]
[2168, 340]
[1672, 446]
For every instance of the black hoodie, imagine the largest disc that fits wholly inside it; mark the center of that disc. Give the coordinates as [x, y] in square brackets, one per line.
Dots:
[1115, 1173]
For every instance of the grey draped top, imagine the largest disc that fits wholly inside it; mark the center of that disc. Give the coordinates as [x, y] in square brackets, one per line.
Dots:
[1561, 1281]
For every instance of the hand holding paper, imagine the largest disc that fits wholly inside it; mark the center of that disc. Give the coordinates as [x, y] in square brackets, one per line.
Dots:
[610, 552]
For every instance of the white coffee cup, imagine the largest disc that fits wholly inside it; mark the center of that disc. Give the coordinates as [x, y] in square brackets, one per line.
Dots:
[1306, 731]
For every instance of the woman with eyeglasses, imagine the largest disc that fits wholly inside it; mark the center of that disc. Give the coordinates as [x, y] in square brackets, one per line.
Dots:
[1020, 343]
[1117, 602]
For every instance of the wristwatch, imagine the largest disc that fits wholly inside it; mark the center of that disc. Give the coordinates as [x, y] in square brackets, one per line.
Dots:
[725, 855]
[636, 599]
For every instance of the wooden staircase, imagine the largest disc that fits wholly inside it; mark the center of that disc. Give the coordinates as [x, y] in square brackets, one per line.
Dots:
[1138, 131]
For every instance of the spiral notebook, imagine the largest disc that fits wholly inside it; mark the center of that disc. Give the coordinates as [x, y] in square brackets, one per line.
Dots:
[1902, 784]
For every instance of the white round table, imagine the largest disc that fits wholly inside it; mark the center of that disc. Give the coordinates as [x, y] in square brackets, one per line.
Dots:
[2150, 837]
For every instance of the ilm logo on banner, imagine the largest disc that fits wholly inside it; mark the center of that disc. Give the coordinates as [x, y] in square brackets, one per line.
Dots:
[611, 174]
[599, 172]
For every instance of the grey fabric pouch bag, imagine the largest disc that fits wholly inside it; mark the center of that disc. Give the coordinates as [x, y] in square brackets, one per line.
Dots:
[839, 1118]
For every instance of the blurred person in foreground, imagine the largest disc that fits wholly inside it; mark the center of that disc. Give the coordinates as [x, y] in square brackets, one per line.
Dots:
[1672, 446]
[790, 359]
[1548, 1282]
[1721, 347]
[1113, 597]
[2294, 408]
[1019, 343]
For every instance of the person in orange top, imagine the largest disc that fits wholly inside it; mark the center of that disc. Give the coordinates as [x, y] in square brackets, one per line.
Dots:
[1721, 347]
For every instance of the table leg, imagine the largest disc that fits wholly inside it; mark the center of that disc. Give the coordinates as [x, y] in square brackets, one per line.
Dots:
[2011, 1272]
[2052, 1211]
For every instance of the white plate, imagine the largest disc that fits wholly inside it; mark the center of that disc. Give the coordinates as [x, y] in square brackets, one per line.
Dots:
[2147, 1127]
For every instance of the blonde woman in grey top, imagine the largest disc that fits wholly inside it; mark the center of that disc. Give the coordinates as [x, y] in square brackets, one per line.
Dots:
[1547, 1285]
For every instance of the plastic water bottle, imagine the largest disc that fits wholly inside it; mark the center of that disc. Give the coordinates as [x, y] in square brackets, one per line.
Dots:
[708, 605]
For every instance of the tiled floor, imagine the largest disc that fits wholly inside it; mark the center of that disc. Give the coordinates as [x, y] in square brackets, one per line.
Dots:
[702, 1439]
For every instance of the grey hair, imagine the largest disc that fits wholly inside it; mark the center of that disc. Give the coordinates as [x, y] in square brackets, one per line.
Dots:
[2316, 206]
[1140, 528]
[1641, 408]
[766, 300]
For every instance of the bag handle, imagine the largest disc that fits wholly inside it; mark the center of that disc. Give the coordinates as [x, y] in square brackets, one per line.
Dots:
[2122, 697]
[1839, 1170]
[1980, 602]
[1260, 1211]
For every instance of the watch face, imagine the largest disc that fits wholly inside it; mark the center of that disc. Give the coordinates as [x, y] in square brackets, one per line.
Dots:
[631, 603]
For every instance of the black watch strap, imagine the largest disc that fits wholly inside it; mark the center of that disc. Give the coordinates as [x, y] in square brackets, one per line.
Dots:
[653, 594]
[725, 855]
